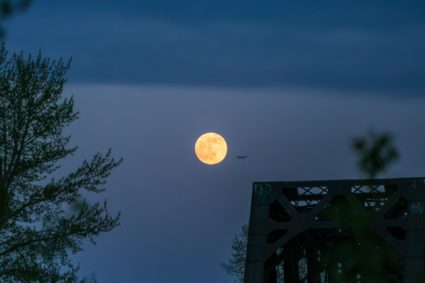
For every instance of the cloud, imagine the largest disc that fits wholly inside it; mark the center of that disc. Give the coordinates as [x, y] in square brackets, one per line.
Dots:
[304, 49]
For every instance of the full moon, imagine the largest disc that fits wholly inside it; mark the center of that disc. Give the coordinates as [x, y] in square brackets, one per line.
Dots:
[211, 148]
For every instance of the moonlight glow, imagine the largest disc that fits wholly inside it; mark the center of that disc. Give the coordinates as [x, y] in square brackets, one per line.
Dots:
[211, 148]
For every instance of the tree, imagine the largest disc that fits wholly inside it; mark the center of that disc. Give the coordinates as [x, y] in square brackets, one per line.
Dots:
[90, 279]
[235, 265]
[376, 153]
[8, 8]
[43, 219]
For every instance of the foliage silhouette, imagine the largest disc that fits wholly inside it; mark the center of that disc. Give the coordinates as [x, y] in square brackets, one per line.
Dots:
[9, 8]
[235, 266]
[90, 279]
[365, 253]
[43, 219]
[376, 153]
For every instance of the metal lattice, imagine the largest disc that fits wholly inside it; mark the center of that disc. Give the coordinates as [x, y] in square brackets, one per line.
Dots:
[294, 225]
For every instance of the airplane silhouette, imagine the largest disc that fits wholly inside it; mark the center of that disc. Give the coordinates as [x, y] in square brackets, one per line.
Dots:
[241, 156]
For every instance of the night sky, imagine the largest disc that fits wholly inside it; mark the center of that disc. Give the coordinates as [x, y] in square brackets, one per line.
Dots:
[288, 83]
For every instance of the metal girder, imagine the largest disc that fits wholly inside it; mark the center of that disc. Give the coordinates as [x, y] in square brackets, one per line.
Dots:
[293, 224]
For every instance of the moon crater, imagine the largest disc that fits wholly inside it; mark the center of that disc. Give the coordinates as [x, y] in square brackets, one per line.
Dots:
[211, 148]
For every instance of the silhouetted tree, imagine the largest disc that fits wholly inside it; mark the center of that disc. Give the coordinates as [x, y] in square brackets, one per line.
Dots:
[235, 265]
[90, 279]
[43, 219]
[376, 153]
[8, 8]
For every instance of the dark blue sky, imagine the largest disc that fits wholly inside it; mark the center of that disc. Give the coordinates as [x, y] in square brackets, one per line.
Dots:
[286, 83]
[349, 45]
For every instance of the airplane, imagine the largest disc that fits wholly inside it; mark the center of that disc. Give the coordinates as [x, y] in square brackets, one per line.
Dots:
[241, 156]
